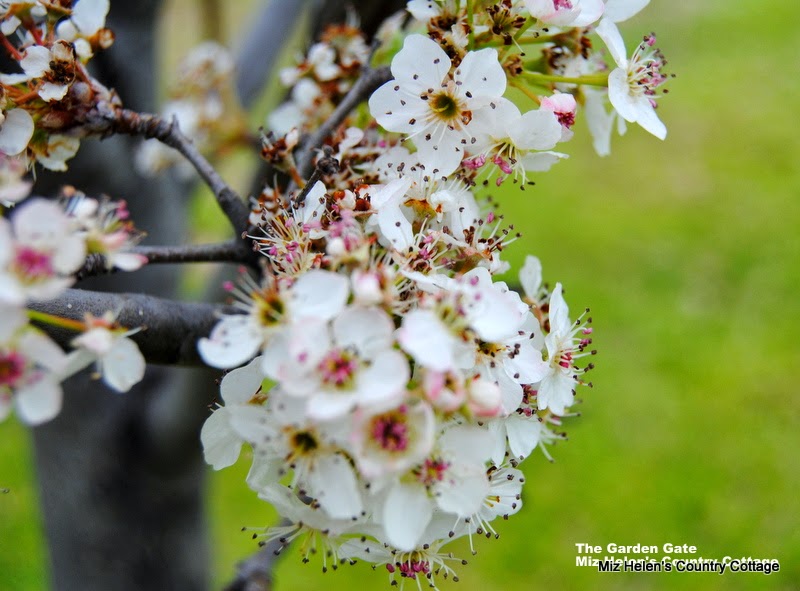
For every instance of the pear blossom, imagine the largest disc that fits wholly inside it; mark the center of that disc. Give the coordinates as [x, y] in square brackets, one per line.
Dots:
[564, 106]
[393, 441]
[286, 435]
[55, 66]
[29, 363]
[86, 19]
[237, 338]
[569, 13]
[557, 389]
[436, 108]
[452, 480]
[517, 143]
[632, 86]
[54, 154]
[118, 359]
[241, 390]
[39, 252]
[338, 366]
[105, 227]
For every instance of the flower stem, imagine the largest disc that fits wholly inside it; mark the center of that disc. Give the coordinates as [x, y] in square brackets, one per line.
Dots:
[526, 91]
[590, 80]
[52, 320]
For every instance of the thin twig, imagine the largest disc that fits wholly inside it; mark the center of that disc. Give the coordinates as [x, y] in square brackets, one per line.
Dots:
[255, 573]
[169, 134]
[232, 251]
[369, 81]
[170, 329]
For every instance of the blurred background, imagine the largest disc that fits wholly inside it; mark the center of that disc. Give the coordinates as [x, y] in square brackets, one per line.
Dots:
[688, 254]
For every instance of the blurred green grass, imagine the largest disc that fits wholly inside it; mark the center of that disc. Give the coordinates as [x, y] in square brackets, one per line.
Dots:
[688, 253]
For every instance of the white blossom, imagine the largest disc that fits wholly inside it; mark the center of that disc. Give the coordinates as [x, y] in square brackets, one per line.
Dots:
[434, 107]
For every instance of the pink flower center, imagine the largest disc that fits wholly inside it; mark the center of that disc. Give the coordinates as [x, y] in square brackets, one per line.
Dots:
[433, 471]
[562, 4]
[566, 118]
[33, 263]
[338, 367]
[12, 366]
[390, 431]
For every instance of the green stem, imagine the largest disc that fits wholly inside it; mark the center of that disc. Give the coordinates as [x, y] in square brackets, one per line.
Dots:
[591, 80]
[528, 24]
[526, 91]
[45, 318]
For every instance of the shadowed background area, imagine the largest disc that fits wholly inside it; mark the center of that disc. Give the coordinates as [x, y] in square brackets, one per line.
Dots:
[688, 253]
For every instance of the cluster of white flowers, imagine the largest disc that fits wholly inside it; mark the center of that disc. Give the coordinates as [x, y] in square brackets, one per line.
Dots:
[51, 43]
[204, 104]
[393, 383]
[388, 382]
[320, 79]
[41, 247]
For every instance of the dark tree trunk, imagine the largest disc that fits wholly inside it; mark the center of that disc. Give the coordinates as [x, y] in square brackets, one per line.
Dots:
[122, 503]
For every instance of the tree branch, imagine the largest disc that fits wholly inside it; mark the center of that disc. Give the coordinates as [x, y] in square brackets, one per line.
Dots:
[232, 251]
[255, 573]
[170, 328]
[169, 133]
[369, 81]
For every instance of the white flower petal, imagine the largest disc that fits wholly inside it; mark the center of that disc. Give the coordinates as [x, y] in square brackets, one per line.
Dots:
[421, 63]
[367, 330]
[221, 444]
[326, 406]
[467, 444]
[536, 130]
[611, 36]
[234, 340]
[556, 393]
[523, 435]
[599, 120]
[591, 11]
[385, 379]
[239, 385]
[530, 276]
[36, 61]
[41, 349]
[124, 365]
[465, 489]
[319, 294]
[559, 312]
[53, 92]
[90, 15]
[15, 132]
[406, 513]
[482, 76]
[647, 118]
[334, 485]
[427, 340]
[39, 401]
[526, 366]
[12, 319]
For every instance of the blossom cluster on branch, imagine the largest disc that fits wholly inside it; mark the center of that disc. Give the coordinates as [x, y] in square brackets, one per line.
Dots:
[388, 358]
[387, 381]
